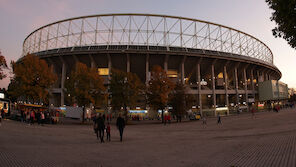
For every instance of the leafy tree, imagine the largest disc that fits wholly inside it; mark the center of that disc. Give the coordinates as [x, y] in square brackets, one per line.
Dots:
[12, 90]
[126, 90]
[180, 100]
[158, 89]
[285, 17]
[2, 66]
[32, 79]
[292, 98]
[86, 86]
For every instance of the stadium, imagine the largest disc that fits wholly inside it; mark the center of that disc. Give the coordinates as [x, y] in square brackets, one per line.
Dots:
[223, 66]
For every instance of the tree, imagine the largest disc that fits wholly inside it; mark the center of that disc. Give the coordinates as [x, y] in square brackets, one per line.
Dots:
[158, 89]
[126, 90]
[86, 86]
[2, 66]
[32, 79]
[285, 17]
[180, 100]
[292, 98]
[12, 90]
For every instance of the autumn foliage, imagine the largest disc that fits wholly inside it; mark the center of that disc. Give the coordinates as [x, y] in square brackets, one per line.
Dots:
[159, 88]
[2, 66]
[32, 79]
[85, 86]
[126, 89]
[180, 100]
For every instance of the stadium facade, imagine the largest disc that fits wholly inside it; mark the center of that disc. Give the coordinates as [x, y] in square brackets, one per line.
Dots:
[222, 65]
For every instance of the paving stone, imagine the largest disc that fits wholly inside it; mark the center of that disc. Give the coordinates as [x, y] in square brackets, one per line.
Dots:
[267, 140]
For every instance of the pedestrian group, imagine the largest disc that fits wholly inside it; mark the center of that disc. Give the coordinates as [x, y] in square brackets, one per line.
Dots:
[100, 128]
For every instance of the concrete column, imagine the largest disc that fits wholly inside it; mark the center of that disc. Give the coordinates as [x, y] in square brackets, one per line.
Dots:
[147, 69]
[109, 79]
[199, 87]
[52, 64]
[246, 85]
[258, 76]
[76, 59]
[236, 85]
[165, 65]
[252, 83]
[63, 83]
[214, 89]
[182, 73]
[109, 67]
[266, 76]
[51, 98]
[128, 64]
[226, 86]
[183, 70]
[92, 62]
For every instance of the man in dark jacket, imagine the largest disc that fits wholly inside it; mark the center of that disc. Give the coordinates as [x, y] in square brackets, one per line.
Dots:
[101, 127]
[120, 125]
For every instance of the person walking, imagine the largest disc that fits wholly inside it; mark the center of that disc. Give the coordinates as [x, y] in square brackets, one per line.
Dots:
[120, 125]
[107, 117]
[0, 119]
[32, 117]
[169, 119]
[2, 113]
[96, 129]
[38, 116]
[204, 120]
[238, 110]
[108, 131]
[278, 108]
[95, 126]
[22, 116]
[219, 119]
[101, 127]
[42, 118]
[253, 112]
[28, 117]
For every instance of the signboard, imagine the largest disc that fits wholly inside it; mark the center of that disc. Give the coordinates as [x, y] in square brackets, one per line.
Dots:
[1, 95]
[172, 73]
[251, 100]
[137, 111]
[103, 71]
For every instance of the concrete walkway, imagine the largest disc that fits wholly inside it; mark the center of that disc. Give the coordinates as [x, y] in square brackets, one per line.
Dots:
[267, 140]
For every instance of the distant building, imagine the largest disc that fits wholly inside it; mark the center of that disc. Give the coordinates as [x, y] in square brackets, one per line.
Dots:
[292, 91]
[273, 90]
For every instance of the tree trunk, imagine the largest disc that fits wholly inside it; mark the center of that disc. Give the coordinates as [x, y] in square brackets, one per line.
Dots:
[125, 114]
[161, 116]
[83, 113]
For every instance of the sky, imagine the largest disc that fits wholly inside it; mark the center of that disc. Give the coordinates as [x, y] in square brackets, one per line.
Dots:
[18, 18]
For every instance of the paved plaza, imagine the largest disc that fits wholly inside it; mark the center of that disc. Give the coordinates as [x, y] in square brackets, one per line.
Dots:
[267, 140]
